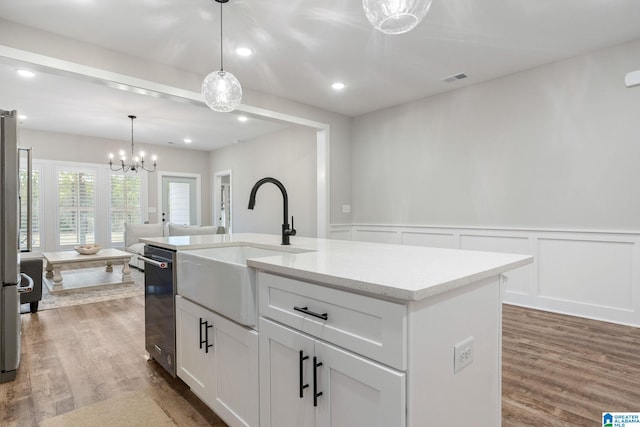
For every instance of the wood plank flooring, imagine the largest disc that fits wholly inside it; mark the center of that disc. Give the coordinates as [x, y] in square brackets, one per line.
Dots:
[557, 370]
[75, 356]
[565, 371]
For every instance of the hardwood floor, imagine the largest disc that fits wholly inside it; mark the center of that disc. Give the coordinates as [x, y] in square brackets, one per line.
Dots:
[557, 370]
[76, 356]
[565, 371]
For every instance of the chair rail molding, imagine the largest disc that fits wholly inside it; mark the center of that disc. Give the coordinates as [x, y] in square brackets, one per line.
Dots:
[587, 273]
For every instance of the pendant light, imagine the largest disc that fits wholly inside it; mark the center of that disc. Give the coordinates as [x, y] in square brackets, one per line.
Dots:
[395, 16]
[221, 90]
[135, 163]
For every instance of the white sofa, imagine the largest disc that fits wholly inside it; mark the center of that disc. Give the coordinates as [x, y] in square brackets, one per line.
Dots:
[133, 232]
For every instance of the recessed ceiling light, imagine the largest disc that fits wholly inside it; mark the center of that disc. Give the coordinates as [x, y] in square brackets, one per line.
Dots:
[244, 51]
[243, 118]
[187, 141]
[25, 73]
[454, 77]
[22, 117]
[337, 86]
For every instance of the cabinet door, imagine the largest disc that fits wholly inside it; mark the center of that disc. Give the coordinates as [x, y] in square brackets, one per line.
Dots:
[235, 394]
[285, 374]
[194, 360]
[357, 392]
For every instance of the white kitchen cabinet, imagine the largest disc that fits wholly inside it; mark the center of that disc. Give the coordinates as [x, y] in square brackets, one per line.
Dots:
[383, 363]
[218, 359]
[194, 345]
[305, 382]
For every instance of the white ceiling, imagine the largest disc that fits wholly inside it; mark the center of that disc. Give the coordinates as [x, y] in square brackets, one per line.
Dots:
[302, 46]
[58, 103]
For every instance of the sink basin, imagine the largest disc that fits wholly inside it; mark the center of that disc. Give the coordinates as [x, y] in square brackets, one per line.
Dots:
[219, 279]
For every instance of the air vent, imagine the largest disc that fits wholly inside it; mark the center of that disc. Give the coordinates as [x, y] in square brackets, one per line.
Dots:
[455, 77]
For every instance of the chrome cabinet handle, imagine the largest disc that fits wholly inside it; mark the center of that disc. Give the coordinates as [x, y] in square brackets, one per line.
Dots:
[159, 264]
[305, 310]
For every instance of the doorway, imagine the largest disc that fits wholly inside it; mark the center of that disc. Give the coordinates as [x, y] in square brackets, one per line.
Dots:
[179, 198]
[222, 200]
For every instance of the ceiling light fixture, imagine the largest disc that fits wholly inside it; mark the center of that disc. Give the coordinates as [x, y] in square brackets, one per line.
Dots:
[25, 73]
[221, 90]
[337, 86]
[22, 117]
[244, 51]
[187, 141]
[395, 16]
[242, 119]
[136, 164]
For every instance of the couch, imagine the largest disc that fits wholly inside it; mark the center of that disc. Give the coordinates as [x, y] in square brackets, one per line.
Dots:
[133, 232]
[32, 267]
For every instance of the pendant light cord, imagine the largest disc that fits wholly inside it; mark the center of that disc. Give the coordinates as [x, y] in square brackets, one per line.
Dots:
[221, 62]
[132, 155]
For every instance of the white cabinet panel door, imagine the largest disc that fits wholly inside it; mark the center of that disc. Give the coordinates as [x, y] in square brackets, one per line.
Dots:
[194, 360]
[352, 391]
[282, 379]
[357, 392]
[235, 396]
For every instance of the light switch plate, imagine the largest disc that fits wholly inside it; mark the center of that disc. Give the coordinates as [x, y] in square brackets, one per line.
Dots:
[346, 209]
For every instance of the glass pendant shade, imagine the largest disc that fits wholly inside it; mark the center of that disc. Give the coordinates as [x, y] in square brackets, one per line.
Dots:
[395, 16]
[222, 91]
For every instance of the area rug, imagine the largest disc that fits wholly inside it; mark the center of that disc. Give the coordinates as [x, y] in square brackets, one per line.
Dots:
[90, 295]
[134, 409]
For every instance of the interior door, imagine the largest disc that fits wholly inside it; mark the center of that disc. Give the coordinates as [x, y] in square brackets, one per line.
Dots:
[179, 200]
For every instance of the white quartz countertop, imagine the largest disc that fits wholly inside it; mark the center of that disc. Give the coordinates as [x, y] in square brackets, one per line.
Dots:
[396, 272]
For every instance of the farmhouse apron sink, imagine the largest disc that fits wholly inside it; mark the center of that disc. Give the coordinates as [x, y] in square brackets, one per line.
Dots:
[219, 279]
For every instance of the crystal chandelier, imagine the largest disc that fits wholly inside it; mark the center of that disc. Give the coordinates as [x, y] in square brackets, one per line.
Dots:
[221, 90]
[136, 163]
[395, 16]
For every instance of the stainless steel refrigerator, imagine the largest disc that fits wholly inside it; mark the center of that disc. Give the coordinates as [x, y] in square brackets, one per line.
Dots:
[11, 285]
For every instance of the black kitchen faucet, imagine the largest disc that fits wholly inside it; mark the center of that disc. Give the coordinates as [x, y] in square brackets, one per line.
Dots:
[286, 231]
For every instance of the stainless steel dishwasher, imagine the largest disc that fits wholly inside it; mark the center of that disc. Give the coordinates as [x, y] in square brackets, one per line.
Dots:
[159, 306]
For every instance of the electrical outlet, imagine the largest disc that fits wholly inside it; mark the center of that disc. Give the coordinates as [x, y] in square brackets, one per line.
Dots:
[346, 209]
[462, 354]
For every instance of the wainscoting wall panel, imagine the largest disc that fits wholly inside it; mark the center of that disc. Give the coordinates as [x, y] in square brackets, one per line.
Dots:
[519, 280]
[586, 272]
[593, 274]
[436, 240]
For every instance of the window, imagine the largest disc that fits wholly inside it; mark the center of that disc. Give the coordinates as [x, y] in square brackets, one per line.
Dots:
[179, 203]
[35, 208]
[76, 207]
[126, 203]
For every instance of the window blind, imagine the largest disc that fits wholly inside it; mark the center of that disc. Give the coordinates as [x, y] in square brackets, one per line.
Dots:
[126, 203]
[76, 207]
[35, 206]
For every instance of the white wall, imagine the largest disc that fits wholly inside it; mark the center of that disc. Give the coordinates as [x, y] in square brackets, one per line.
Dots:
[75, 148]
[557, 146]
[543, 162]
[290, 157]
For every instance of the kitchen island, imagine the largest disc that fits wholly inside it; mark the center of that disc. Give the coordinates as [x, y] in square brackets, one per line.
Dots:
[350, 334]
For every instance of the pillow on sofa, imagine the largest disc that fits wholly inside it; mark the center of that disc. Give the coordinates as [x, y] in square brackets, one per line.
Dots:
[191, 230]
[132, 232]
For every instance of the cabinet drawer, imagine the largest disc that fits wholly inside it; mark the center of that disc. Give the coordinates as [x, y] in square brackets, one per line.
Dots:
[368, 326]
